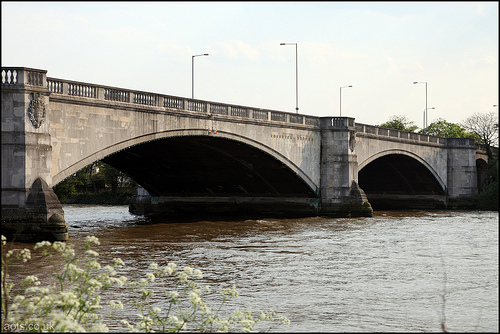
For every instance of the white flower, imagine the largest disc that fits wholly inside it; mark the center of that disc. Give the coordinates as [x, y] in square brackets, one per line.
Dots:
[118, 262]
[198, 273]
[99, 328]
[194, 298]
[117, 305]
[150, 276]
[127, 324]
[31, 280]
[153, 265]
[169, 269]
[90, 252]
[26, 254]
[19, 299]
[91, 239]
[95, 283]
[41, 244]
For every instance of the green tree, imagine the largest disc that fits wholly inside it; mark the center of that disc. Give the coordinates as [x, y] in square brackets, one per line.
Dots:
[400, 122]
[93, 180]
[76, 183]
[442, 128]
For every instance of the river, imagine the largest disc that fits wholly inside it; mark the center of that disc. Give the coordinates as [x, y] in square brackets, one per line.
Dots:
[386, 273]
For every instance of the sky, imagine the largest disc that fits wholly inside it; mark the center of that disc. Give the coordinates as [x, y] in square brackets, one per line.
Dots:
[378, 48]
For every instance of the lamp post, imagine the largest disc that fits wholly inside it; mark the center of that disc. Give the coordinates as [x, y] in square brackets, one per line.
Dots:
[341, 98]
[192, 72]
[425, 116]
[296, 77]
[425, 111]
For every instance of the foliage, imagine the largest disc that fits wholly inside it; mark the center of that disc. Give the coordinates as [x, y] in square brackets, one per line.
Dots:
[400, 123]
[485, 126]
[72, 303]
[104, 196]
[487, 199]
[89, 185]
[442, 128]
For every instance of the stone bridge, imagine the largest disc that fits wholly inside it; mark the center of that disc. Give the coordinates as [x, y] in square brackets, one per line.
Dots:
[198, 156]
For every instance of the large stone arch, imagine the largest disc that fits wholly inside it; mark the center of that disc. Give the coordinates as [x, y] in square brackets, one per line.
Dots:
[405, 153]
[123, 145]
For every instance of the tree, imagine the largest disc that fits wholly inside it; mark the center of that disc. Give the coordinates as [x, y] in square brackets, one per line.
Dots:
[94, 178]
[442, 128]
[485, 126]
[400, 123]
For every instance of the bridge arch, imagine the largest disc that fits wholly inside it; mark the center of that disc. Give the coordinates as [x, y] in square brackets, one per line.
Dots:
[105, 153]
[405, 153]
[396, 178]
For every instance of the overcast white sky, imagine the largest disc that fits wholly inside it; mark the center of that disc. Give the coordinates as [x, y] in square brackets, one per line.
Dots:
[378, 48]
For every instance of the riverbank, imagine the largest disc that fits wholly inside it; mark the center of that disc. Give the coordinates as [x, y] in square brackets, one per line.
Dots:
[100, 197]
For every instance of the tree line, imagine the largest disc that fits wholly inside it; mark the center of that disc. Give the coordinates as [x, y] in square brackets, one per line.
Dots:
[482, 127]
[97, 183]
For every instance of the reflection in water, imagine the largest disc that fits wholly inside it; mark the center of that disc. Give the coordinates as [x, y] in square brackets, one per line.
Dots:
[376, 274]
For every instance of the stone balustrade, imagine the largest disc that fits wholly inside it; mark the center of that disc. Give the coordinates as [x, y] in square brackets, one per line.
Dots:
[99, 92]
[392, 133]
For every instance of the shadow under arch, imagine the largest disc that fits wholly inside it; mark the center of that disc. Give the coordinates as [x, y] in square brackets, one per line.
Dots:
[409, 154]
[115, 150]
[401, 179]
[482, 173]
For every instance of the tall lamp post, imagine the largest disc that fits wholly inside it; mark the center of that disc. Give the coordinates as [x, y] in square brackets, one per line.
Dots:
[192, 72]
[425, 111]
[341, 98]
[296, 77]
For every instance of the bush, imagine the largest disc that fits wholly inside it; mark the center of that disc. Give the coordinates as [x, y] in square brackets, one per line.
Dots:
[72, 304]
[487, 199]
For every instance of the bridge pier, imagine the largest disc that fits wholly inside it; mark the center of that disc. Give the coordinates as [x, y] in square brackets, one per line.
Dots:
[31, 210]
[165, 206]
[462, 173]
[340, 193]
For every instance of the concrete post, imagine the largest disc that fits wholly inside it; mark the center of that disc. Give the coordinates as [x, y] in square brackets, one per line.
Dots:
[31, 210]
[462, 172]
[340, 192]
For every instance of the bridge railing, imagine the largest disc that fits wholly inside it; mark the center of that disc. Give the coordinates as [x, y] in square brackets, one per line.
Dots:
[386, 132]
[17, 76]
[99, 92]
[483, 148]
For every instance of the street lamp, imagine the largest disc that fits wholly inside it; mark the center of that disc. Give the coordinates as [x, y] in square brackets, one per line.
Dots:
[425, 116]
[296, 77]
[192, 72]
[341, 98]
[425, 111]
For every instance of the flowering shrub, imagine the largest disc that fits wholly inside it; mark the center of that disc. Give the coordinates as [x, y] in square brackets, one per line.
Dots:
[72, 304]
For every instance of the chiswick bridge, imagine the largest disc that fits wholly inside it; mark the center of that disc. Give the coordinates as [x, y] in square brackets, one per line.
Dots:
[198, 156]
